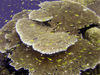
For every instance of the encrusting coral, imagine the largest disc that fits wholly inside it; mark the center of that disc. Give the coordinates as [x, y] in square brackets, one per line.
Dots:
[80, 55]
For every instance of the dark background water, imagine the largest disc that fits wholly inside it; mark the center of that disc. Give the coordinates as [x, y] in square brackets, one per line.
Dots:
[10, 7]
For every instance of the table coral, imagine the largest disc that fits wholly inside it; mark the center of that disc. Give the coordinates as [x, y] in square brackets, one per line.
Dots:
[42, 38]
[22, 14]
[78, 57]
[95, 6]
[84, 2]
[7, 29]
[64, 22]
[81, 55]
[39, 17]
[65, 16]
[6, 33]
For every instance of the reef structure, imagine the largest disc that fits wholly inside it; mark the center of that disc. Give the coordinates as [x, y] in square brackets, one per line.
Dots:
[42, 38]
[54, 46]
[84, 2]
[70, 21]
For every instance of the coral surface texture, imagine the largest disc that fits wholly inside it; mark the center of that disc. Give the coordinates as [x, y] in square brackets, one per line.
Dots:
[60, 38]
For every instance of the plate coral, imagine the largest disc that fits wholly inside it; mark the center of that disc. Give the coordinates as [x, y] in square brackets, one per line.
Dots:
[48, 41]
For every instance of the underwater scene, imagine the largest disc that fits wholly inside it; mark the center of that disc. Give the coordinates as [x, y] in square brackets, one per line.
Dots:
[49, 37]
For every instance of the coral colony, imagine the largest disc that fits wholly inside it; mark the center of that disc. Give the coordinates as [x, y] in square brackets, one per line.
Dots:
[47, 41]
